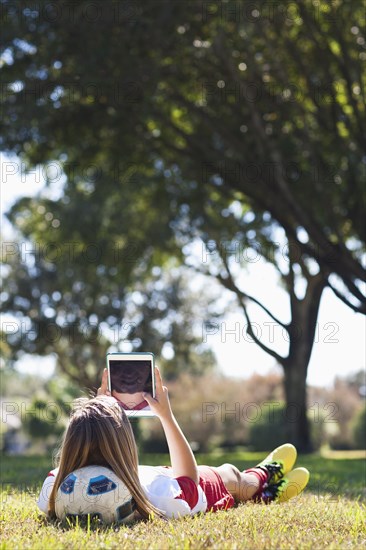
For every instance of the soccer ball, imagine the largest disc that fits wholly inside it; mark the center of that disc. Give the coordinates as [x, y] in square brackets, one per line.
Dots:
[97, 491]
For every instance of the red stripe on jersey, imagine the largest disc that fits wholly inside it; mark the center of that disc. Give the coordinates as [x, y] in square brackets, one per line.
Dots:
[189, 491]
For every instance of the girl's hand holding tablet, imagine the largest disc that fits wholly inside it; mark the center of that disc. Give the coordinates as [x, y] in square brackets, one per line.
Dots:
[159, 404]
[103, 390]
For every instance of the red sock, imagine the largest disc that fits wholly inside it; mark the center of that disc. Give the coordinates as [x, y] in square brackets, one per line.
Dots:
[262, 476]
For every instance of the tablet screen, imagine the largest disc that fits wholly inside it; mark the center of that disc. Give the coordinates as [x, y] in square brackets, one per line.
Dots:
[130, 376]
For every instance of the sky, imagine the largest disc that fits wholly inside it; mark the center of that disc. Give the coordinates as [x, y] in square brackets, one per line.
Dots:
[339, 347]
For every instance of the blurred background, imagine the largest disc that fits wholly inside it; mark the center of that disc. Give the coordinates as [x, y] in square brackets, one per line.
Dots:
[185, 178]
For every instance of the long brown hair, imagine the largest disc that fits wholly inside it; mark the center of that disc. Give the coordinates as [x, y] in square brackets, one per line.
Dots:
[99, 433]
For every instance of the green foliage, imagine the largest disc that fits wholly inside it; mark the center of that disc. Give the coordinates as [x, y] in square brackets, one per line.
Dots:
[43, 419]
[224, 111]
[345, 403]
[79, 323]
[215, 129]
[62, 392]
[359, 430]
[271, 428]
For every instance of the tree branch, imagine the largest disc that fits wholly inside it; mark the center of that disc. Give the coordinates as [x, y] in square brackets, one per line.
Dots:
[357, 309]
[242, 297]
[229, 284]
[251, 333]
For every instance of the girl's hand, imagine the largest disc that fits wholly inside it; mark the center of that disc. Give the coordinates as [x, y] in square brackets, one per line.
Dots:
[103, 390]
[160, 405]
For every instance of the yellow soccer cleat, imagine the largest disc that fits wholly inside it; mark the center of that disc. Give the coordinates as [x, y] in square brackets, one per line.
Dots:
[289, 487]
[279, 462]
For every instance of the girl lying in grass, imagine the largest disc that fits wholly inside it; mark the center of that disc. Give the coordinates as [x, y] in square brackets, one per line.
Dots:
[99, 433]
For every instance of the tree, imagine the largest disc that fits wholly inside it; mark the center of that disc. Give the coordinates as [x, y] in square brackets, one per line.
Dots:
[221, 115]
[78, 315]
[359, 429]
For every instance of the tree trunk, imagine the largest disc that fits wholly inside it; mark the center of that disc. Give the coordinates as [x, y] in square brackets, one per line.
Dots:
[301, 331]
[295, 418]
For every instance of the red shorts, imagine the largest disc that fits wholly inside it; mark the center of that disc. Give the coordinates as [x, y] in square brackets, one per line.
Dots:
[218, 497]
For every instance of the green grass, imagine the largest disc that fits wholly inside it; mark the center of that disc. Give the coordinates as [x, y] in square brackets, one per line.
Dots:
[330, 513]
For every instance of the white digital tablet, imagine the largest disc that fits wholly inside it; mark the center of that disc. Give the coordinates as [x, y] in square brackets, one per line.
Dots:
[129, 375]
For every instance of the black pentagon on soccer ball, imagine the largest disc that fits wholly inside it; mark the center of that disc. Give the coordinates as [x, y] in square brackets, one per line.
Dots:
[67, 486]
[125, 509]
[100, 485]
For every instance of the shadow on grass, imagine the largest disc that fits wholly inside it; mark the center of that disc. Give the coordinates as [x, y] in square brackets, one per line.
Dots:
[332, 477]
[88, 523]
